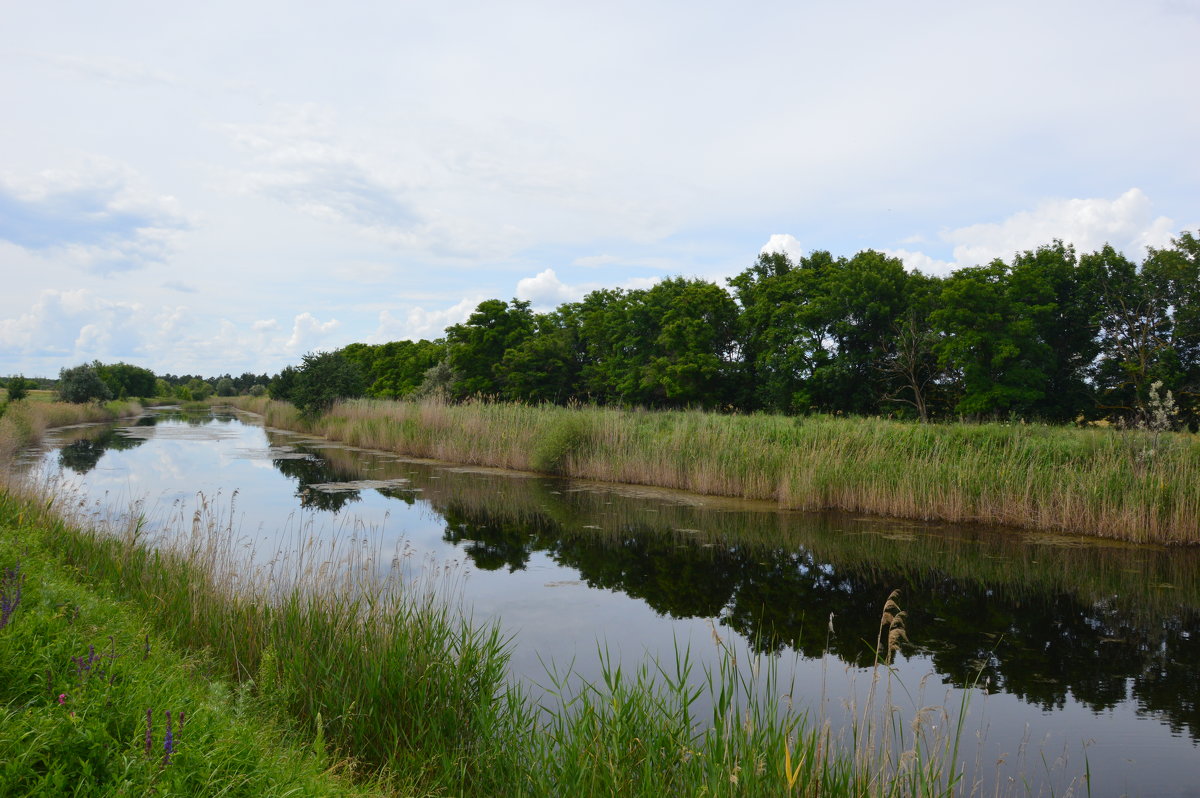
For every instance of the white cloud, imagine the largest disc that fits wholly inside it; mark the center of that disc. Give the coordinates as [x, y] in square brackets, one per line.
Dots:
[420, 323]
[1125, 222]
[308, 332]
[100, 216]
[546, 289]
[784, 244]
[919, 261]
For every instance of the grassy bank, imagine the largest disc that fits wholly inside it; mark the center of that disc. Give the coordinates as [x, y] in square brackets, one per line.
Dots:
[1130, 485]
[391, 678]
[95, 701]
[22, 423]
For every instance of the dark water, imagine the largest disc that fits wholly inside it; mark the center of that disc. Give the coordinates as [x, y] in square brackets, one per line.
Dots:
[1083, 655]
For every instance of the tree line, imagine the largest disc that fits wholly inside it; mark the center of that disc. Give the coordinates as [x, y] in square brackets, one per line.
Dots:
[1048, 335]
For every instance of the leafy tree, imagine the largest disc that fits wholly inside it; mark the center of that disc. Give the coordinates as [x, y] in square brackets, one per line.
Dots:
[544, 367]
[125, 380]
[18, 388]
[194, 390]
[477, 346]
[396, 368]
[81, 384]
[325, 378]
[282, 384]
[225, 387]
[989, 343]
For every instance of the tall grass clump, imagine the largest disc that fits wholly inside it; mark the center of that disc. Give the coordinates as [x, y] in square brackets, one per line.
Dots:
[1142, 486]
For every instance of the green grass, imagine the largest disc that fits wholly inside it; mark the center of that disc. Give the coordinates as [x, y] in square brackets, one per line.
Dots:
[1127, 485]
[87, 685]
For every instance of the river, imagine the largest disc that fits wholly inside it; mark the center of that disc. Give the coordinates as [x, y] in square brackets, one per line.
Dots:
[1073, 655]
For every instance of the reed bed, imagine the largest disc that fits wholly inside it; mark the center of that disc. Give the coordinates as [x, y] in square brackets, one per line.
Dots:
[22, 423]
[382, 670]
[1127, 485]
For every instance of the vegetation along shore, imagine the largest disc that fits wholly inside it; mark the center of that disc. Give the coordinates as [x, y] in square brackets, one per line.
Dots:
[336, 679]
[1136, 485]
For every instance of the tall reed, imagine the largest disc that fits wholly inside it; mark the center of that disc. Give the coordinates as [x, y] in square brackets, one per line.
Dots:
[1126, 485]
[24, 422]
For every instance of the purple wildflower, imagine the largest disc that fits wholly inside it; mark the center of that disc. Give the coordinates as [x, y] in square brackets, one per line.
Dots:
[62, 699]
[168, 742]
[10, 592]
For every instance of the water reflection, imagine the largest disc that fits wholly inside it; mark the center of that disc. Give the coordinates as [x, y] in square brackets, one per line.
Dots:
[1054, 623]
[1044, 619]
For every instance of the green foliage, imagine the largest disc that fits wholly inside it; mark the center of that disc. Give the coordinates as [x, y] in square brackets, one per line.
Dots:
[1046, 335]
[225, 387]
[81, 384]
[18, 388]
[566, 436]
[126, 381]
[397, 368]
[325, 378]
[86, 685]
[477, 346]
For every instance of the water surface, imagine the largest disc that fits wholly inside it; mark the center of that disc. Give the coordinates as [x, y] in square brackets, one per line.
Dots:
[1081, 653]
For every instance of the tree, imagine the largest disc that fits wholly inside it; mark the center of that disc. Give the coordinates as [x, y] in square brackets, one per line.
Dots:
[225, 387]
[82, 384]
[18, 388]
[282, 384]
[125, 380]
[325, 378]
[477, 346]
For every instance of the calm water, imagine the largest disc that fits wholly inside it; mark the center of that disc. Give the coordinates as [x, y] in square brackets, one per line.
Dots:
[1090, 652]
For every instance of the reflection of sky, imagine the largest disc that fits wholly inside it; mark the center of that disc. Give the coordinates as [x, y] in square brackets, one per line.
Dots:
[552, 616]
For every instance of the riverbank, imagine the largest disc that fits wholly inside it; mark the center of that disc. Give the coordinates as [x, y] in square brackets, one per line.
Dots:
[1128, 485]
[96, 701]
[392, 681]
[22, 423]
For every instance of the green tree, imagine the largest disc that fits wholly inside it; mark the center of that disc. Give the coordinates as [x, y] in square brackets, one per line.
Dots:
[477, 346]
[81, 384]
[225, 387]
[283, 383]
[325, 378]
[18, 388]
[125, 380]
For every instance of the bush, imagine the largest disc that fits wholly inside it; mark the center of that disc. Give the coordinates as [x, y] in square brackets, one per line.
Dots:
[18, 388]
[324, 378]
[82, 384]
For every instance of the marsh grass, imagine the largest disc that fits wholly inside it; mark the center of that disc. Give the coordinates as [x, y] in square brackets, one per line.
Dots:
[1129, 485]
[22, 423]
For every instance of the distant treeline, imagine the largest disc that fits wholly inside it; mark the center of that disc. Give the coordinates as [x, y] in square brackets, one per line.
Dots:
[98, 381]
[1049, 335]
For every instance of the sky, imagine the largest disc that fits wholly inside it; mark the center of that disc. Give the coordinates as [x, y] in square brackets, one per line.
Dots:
[222, 187]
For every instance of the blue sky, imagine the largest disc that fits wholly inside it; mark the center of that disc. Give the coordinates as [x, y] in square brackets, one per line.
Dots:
[224, 187]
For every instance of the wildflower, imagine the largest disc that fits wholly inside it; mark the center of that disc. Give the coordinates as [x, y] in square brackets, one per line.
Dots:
[10, 592]
[62, 699]
[168, 742]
